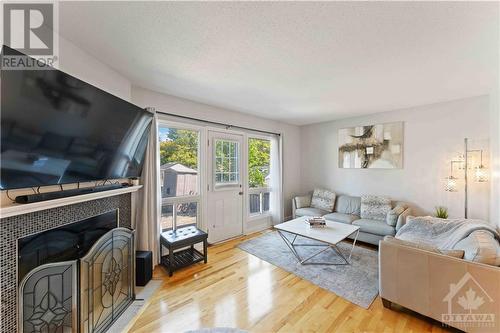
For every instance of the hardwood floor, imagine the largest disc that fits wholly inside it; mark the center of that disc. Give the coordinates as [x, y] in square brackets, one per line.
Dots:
[236, 289]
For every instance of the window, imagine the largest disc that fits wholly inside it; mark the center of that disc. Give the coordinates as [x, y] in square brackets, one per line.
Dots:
[179, 177]
[226, 162]
[259, 163]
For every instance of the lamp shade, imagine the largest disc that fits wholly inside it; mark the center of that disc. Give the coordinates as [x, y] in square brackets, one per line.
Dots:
[451, 184]
[481, 174]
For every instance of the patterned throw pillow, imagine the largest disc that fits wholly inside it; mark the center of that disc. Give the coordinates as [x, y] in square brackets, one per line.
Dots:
[323, 199]
[375, 207]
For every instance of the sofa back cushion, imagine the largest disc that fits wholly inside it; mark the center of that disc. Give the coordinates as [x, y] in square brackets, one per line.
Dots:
[375, 207]
[480, 246]
[323, 199]
[302, 201]
[393, 215]
[348, 205]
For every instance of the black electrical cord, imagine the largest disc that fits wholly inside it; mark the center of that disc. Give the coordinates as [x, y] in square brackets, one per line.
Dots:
[8, 196]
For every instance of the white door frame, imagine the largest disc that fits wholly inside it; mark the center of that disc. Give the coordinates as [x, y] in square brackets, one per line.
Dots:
[247, 221]
[212, 189]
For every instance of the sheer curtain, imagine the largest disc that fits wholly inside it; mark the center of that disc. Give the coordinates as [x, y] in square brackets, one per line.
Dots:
[276, 195]
[148, 200]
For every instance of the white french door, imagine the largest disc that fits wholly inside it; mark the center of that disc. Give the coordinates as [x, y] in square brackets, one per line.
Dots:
[225, 190]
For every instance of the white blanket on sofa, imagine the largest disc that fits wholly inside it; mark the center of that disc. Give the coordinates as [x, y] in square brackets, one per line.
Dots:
[443, 234]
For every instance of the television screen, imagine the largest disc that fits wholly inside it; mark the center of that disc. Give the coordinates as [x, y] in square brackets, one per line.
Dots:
[57, 129]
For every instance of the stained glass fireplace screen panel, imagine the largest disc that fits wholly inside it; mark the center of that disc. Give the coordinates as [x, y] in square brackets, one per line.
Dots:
[106, 280]
[47, 299]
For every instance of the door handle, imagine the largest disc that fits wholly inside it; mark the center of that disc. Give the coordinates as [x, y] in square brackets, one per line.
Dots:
[240, 193]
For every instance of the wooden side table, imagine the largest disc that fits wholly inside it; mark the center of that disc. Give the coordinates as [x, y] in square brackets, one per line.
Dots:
[182, 238]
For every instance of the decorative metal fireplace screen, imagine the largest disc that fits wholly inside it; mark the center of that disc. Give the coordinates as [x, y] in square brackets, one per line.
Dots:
[106, 280]
[48, 298]
[54, 298]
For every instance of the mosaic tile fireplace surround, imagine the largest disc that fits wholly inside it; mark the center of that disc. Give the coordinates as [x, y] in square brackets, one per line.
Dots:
[15, 227]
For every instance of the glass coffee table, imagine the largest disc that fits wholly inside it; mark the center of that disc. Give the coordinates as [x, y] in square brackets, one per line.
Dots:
[329, 235]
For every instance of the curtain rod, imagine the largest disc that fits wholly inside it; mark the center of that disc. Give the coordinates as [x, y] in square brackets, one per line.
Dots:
[228, 126]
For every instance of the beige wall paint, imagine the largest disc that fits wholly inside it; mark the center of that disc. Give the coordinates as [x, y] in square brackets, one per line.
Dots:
[433, 135]
[291, 133]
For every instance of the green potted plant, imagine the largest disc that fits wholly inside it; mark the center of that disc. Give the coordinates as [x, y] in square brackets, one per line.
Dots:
[441, 212]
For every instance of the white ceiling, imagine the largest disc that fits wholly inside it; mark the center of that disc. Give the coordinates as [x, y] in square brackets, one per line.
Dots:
[296, 62]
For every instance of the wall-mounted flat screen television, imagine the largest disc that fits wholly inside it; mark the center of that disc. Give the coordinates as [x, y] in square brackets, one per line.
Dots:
[57, 129]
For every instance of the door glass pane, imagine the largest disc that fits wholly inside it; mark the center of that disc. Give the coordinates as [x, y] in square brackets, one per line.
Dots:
[254, 203]
[226, 162]
[265, 202]
[186, 214]
[167, 217]
[259, 161]
[178, 162]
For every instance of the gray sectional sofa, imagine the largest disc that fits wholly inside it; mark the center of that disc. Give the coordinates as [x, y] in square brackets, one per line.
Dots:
[347, 209]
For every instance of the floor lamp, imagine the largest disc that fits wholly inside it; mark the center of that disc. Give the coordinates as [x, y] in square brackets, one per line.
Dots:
[481, 174]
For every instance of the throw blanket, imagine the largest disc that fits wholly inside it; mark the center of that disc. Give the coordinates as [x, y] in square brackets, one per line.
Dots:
[443, 234]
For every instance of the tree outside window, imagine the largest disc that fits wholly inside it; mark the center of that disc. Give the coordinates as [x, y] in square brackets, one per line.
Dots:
[259, 161]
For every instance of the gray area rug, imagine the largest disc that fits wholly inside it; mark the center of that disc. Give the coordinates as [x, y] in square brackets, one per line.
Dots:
[357, 282]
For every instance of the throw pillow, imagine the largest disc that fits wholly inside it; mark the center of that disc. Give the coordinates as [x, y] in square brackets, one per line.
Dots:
[323, 199]
[393, 215]
[375, 207]
[452, 253]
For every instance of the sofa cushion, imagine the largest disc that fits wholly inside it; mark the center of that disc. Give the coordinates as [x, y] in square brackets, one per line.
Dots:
[454, 253]
[480, 246]
[375, 207]
[323, 199]
[375, 227]
[343, 218]
[348, 205]
[309, 211]
[393, 215]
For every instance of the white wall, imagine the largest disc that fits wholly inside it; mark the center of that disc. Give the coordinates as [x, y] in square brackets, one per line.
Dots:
[495, 157]
[291, 134]
[85, 67]
[433, 135]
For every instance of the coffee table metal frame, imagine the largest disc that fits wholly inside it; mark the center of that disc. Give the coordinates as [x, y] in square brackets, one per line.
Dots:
[291, 245]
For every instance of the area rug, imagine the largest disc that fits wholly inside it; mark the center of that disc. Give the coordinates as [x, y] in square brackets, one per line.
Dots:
[357, 282]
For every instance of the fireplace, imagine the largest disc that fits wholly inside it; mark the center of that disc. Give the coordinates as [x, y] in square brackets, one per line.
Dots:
[78, 277]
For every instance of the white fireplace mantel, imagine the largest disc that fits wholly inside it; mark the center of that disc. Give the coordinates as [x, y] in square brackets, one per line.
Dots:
[19, 209]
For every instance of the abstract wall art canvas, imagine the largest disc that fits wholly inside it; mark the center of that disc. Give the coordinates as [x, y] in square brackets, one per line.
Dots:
[372, 147]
